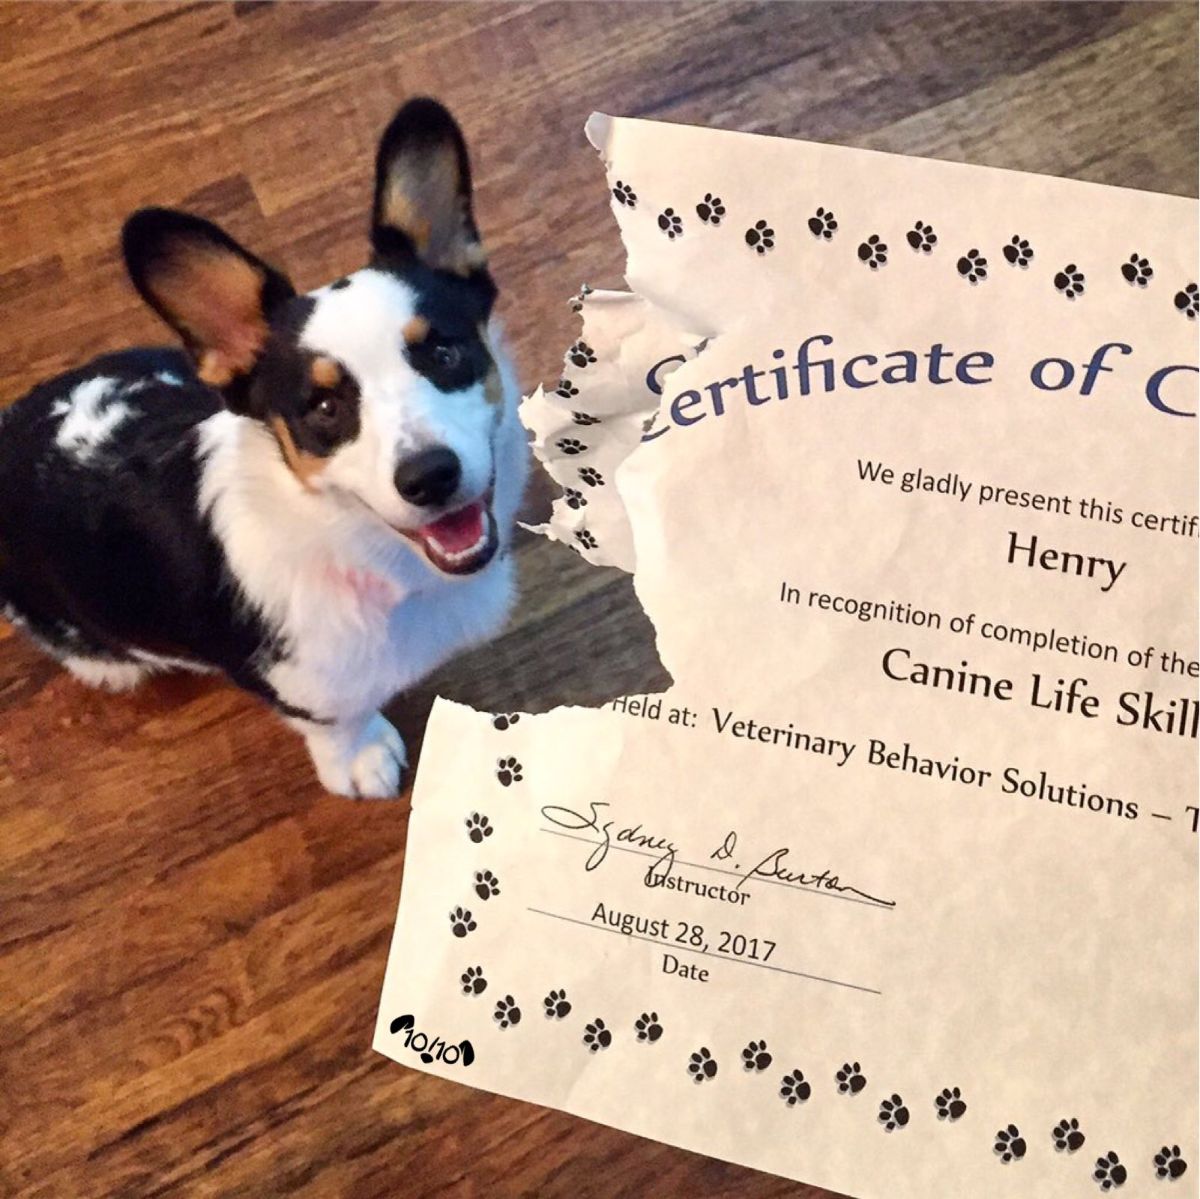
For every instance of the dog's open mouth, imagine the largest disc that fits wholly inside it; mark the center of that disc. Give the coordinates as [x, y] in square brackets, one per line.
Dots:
[461, 542]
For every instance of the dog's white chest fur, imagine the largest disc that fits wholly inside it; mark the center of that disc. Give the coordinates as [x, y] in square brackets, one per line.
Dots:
[369, 639]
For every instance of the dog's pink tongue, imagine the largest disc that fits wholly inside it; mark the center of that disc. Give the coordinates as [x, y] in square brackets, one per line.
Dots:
[457, 531]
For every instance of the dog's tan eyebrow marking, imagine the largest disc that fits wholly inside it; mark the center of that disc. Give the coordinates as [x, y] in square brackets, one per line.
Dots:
[415, 331]
[325, 372]
[303, 466]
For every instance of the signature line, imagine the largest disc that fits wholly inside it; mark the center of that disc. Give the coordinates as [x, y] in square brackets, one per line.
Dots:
[707, 953]
[777, 882]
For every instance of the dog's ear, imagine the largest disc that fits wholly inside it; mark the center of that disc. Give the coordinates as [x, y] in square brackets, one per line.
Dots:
[216, 295]
[423, 193]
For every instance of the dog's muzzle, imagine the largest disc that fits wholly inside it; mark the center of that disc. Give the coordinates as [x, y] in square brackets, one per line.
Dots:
[460, 542]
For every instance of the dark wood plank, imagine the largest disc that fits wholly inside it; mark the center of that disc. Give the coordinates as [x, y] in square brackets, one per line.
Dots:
[192, 935]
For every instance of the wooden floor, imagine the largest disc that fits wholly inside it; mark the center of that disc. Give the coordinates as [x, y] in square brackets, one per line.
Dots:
[192, 936]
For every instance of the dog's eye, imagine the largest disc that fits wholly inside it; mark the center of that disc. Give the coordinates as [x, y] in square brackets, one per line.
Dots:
[324, 408]
[449, 361]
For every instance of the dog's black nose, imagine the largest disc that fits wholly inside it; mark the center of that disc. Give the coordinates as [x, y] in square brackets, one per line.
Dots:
[430, 477]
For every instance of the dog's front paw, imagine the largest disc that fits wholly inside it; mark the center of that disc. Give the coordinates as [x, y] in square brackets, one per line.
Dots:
[367, 766]
[379, 762]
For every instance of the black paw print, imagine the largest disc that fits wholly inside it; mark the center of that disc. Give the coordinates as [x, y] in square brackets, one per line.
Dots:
[596, 1036]
[647, 1027]
[1169, 1164]
[508, 771]
[575, 499]
[1018, 252]
[487, 885]
[507, 1013]
[755, 1056]
[710, 210]
[760, 238]
[586, 539]
[822, 224]
[473, 982]
[973, 267]
[893, 1114]
[794, 1088]
[921, 237]
[1137, 271]
[1188, 301]
[566, 389]
[950, 1104]
[1067, 1135]
[505, 720]
[1109, 1172]
[670, 224]
[850, 1079]
[478, 827]
[581, 354]
[556, 1005]
[571, 446]
[1070, 281]
[702, 1066]
[624, 194]
[462, 922]
[585, 418]
[1010, 1144]
[591, 476]
[873, 252]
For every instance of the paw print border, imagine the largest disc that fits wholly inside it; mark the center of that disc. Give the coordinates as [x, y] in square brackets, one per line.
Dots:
[1014, 253]
[1016, 250]
[888, 1110]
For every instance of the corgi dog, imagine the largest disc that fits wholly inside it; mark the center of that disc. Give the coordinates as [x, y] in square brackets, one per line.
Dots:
[316, 495]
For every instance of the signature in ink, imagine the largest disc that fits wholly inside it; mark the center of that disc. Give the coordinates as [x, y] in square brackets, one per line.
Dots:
[773, 867]
[633, 835]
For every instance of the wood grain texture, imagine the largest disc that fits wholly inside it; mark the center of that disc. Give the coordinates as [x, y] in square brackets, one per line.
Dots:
[192, 936]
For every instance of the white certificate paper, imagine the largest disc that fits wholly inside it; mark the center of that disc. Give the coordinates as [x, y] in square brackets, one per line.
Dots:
[895, 890]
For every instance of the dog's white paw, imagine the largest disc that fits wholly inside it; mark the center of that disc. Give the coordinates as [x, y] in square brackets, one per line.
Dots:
[367, 765]
[379, 763]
